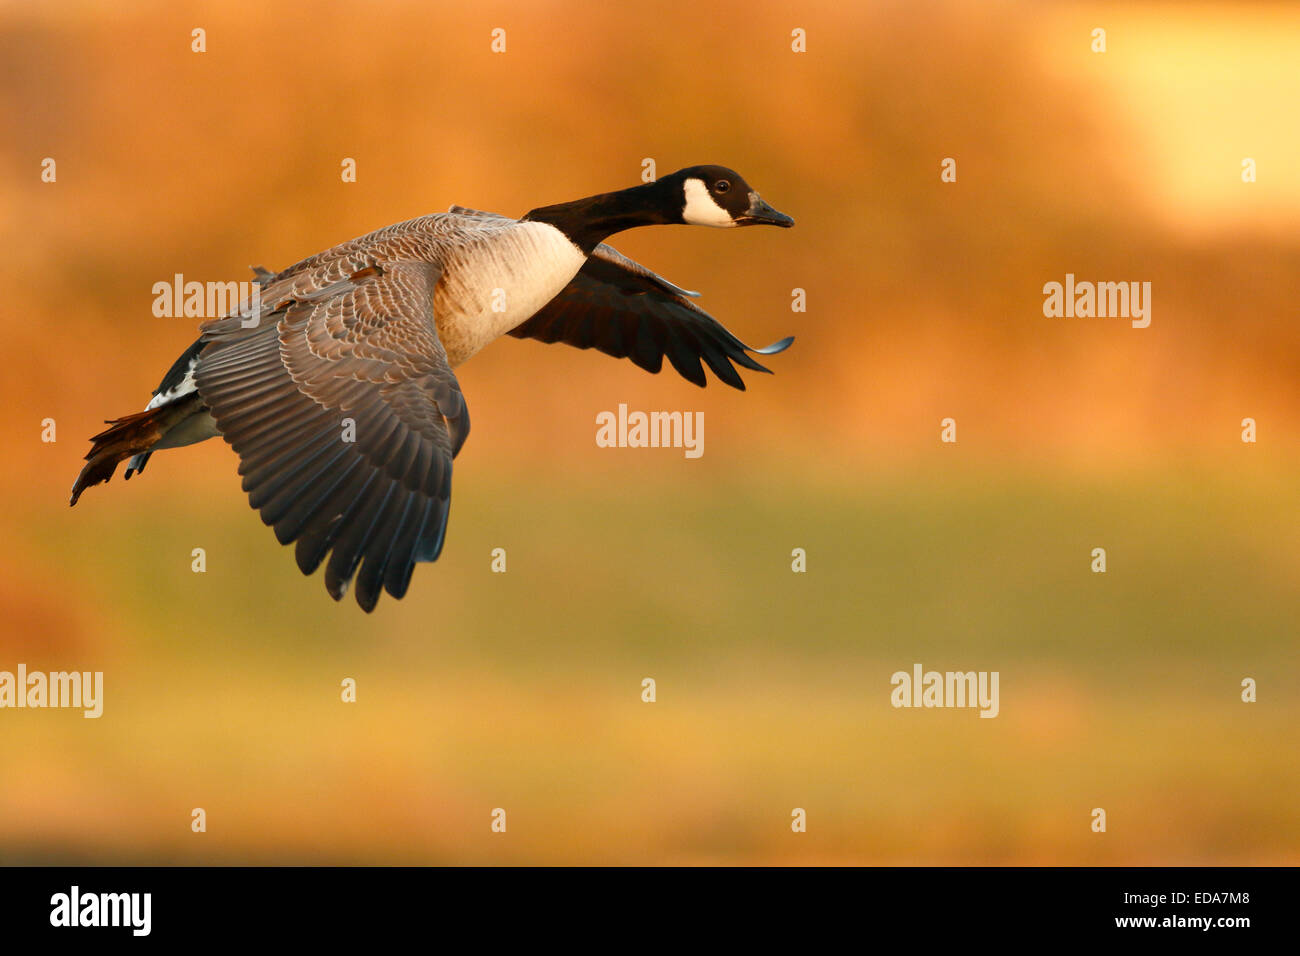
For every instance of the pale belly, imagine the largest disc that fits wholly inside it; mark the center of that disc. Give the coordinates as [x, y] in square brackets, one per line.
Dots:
[499, 283]
[196, 428]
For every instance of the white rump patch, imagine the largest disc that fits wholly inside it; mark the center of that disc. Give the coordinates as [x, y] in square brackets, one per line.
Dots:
[184, 388]
[701, 210]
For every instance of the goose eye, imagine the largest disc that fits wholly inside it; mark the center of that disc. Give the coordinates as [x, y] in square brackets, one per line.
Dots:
[722, 186]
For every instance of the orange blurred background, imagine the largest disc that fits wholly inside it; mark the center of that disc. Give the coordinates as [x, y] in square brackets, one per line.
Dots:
[924, 302]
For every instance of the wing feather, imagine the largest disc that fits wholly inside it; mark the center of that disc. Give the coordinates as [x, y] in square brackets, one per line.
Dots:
[621, 308]
[346, 417]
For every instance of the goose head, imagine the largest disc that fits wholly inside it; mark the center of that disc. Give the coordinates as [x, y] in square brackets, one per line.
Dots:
[720, 197]
[695, 196]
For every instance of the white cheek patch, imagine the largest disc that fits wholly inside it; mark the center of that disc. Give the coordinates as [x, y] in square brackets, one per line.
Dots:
[701, 210]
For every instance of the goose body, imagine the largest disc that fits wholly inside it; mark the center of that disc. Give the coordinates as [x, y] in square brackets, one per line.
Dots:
[339, 394]
[516, 266]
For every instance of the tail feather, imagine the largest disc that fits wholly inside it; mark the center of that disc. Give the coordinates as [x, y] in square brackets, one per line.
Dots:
[131, 435]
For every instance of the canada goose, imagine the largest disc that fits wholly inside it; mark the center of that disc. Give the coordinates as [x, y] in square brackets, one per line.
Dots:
[367, 333]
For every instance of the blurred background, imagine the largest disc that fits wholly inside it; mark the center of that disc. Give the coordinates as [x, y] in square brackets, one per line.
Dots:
[924, 302]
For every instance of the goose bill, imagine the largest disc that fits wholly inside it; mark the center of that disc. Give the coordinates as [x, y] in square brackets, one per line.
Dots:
[760, 213]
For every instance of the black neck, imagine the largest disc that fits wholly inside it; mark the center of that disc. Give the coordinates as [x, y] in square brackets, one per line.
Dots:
[588, 222]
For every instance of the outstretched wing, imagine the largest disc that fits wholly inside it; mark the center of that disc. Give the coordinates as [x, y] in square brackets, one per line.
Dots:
[620, 307]
[623, 309]
[346, 418]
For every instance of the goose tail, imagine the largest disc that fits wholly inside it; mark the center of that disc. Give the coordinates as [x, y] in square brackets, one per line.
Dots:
[126, 437]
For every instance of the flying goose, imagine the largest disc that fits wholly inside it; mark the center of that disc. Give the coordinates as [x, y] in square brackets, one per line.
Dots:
[367, 334]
